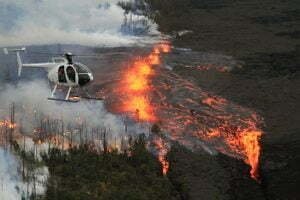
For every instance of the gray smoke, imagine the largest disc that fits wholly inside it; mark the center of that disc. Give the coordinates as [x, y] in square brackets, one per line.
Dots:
[31, 98]
[11, 185]
[9, 177]
[88, 22]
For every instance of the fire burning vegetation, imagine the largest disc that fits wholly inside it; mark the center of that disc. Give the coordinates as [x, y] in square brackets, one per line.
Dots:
[7, 124]
[135, 90]
[146, 94]
[244, 142]
[135, 86]
[150, 93]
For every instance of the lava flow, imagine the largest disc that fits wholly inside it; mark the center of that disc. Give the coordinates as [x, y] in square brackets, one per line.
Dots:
[219, 124]
[136, 86]
[134, 89]
[134, 94]
[242, 141]
[197, 119]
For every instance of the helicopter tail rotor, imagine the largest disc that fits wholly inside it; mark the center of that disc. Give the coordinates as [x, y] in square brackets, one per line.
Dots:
[19, 60]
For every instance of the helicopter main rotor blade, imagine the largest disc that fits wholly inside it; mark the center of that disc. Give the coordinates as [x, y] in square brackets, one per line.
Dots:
[100, 55]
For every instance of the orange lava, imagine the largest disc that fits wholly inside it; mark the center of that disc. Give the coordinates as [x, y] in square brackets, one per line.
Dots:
[251, 146]
[134, 92]
[245, 142]
[135, 87]
[214, 101]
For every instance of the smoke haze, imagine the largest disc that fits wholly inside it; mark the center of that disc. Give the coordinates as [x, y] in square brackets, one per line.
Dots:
[88, 22]
[32, 97]
[11, 185]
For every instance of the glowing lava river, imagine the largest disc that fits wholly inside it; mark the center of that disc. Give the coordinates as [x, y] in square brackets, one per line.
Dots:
[147, 91]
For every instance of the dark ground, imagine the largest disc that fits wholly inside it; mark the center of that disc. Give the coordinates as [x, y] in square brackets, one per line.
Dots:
[264, 37]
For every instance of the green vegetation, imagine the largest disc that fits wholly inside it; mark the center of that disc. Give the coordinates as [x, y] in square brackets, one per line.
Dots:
[82, 173]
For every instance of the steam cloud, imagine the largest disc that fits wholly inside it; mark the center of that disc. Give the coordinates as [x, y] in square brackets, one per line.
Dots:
[88, 22]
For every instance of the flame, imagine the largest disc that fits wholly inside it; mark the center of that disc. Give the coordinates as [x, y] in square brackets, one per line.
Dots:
[8, 124]
[134, 93]
[135, 87]
[148, 93]
[244, 142]
[60, 142]
[228, 128]
[222, 125]
[251, 146]
[162, 149]
[165, 47]
[154, 59]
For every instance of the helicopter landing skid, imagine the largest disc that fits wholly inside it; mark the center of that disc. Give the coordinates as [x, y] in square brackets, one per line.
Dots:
[65, 100]
[92, 98]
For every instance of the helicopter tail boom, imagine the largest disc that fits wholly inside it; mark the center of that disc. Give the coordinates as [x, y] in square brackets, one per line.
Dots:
[21, 64]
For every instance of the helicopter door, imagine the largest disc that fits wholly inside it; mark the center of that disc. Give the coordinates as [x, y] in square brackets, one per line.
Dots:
[71, 74]
[61, 75]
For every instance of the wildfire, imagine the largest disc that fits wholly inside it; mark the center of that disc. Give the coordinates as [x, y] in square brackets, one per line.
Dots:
[134, 94]
[243, 142]
[135, 87]
[60, 142]
[251, 146]
[8, 124]
[162, 148]
[149, 93]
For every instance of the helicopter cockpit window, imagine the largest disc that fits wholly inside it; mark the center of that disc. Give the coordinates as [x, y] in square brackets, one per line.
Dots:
[71, 73]
[61, 75]
[81, 68]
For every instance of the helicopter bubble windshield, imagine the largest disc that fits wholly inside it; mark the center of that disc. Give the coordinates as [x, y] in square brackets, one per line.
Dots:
[80, 68]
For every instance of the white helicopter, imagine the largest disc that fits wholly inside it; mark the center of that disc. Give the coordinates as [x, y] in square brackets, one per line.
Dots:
[62, 72]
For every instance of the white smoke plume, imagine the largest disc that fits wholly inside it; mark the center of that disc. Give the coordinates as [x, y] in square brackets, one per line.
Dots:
[32, 97]
[11, 185]
[88, 22]
[9, 177]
